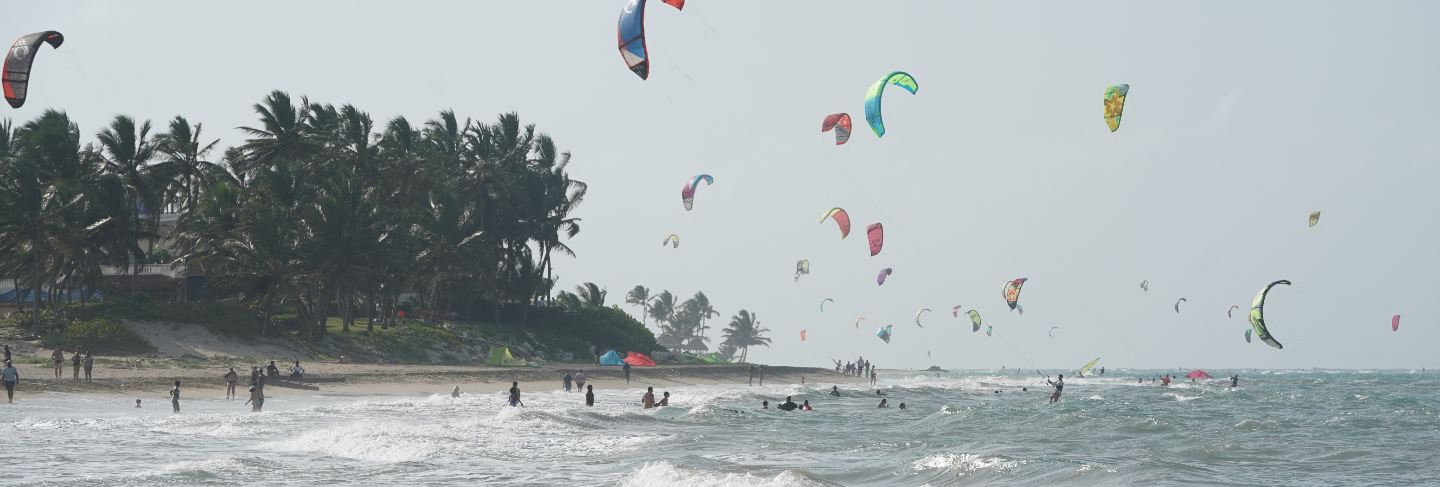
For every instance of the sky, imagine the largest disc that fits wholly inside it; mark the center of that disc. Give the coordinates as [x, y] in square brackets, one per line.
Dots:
[1243, 117]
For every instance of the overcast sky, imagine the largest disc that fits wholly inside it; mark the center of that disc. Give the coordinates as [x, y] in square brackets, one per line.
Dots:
[1243, 117]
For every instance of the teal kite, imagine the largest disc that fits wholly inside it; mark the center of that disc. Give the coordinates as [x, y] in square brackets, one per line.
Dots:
[872, 98]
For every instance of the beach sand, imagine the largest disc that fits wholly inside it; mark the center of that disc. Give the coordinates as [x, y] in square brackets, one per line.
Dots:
[374, 379]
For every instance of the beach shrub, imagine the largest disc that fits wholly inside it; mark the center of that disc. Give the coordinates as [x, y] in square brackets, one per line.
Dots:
[101, 336]
[607, 328]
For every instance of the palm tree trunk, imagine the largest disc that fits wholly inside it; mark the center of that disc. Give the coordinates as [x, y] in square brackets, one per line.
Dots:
[34, 287]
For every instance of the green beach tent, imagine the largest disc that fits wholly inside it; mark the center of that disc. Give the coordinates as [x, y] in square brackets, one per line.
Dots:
[500, 357]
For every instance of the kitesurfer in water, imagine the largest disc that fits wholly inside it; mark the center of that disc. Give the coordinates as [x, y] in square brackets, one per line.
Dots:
[1059, 384]
[1234, 380]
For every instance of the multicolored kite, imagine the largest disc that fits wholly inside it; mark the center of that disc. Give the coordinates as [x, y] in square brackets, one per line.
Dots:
[1314, 218]
[840, 123]
[802, 268]
[872, 98]
[16, 79]
[876, 232]
[1115, 105]
[884, 332]
[687, 193]
[841, 218]
[632, 36]
[1012, 291]
[974, 320]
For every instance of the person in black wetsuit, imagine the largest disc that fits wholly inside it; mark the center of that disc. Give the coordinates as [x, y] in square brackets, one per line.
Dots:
[788, 405]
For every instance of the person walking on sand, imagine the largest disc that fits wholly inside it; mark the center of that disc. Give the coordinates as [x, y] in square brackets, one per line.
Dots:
[230, 378]
[648, 400]
[590, 395]
[515, 395]
[580, 379]
[58, 356]
[752, 375]
[75, 364]
[566, 380]
[88, 363]
[11, 376]
[175, 397]
[626, 369]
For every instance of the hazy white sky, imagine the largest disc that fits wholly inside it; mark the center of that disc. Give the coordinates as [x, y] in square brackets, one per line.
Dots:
[1242, 118]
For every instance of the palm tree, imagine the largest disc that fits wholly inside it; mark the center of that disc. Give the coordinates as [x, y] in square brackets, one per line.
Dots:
[706, 311]
[185, 155]
[126, 152]
[663, 308]
[640, 296]
[745, 331]
[590, 294]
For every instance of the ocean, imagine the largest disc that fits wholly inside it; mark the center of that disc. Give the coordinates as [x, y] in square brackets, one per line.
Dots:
[1278, 428]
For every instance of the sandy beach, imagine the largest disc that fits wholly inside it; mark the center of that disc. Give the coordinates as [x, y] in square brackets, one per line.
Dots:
[373, 379]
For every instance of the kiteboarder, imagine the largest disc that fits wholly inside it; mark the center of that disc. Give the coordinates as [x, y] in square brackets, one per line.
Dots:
[1059, 384]
[1234, 380]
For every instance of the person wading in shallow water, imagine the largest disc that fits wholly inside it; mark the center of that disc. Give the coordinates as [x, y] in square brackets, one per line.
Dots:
[175, 397]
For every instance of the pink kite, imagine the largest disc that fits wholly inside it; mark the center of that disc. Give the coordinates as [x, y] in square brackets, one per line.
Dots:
[1198, 374]
[638, 359]
[1395, 323]
[840, 123]
[802, 335]
[882, 276]
[877, 238]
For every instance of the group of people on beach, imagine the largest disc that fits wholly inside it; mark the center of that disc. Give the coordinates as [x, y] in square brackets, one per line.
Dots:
[859, 368]
[77, 361]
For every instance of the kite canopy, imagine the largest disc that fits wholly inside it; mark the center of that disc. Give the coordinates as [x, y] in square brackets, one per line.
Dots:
[1314, 218]
[876, 233]
[1177, 304]
[1011, 292]
[638, 359]
[917, 316]
[882, 276]
[1229, 312]
[1145, 285]
[840, 123]
[1198, 374]
[873, 96]
[1257, 315]
[842, 219]
[500, 356]
[802, 268]
[989, 330]
[611, 358]
[673, 241]
[974, 320]
[955, 311]
[687, 193]
[858, 320]
[822, 303]
[1395, 323]
[1052, 332]
[631, 32]
[802, 335]
[16, 79]
[884, 332]
[1248, 331]
[1115, 104]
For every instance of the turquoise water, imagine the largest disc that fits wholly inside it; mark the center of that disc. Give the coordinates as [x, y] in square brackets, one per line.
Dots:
[1277, 428]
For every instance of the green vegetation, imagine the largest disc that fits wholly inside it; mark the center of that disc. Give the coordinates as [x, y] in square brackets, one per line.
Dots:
[684, 325]
[100, 336]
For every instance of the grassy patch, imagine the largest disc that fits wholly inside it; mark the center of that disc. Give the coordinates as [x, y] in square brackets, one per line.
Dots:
[100, 336]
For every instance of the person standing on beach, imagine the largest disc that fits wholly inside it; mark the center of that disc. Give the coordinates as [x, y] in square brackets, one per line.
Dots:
[58, 356]
[230, 378]
[762, 375]
[88, 363]
[580, 379]
[626, 369]
[11, 376]
[175, 397]
[7, 353]
[752, 375]
[75, 364]
[648, 400]
[589, 395]
[515, 394]
[566, 380]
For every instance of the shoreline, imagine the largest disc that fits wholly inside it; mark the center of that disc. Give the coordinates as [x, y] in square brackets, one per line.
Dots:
[375, 379]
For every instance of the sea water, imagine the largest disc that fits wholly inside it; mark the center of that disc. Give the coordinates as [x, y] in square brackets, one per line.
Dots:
[1277, 428]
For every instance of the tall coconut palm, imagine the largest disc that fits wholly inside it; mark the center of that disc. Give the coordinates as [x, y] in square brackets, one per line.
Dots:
[126, 151]
[663, 308]
[640, 297]
[706, 311]
[745, 331]
[185, 155]
[590, 294]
